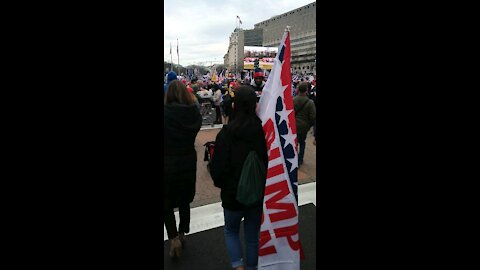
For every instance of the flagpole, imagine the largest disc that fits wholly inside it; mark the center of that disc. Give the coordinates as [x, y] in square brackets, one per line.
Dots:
[171, 57]
[178, 57]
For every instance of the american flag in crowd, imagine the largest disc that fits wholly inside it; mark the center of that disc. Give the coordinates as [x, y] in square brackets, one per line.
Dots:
[279, 246]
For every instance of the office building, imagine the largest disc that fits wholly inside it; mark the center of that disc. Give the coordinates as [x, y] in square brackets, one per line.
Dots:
[302, 22]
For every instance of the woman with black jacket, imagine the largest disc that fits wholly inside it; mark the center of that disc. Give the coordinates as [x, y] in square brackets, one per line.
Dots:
[182, 121]
[233, 143]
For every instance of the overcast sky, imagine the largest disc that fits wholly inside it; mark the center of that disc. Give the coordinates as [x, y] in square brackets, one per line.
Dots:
[203, 27]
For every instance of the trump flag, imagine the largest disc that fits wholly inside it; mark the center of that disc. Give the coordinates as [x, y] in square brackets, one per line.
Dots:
[279, 246]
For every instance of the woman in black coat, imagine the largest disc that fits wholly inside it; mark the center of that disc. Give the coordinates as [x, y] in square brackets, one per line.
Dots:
[233, 143]
[182, 121]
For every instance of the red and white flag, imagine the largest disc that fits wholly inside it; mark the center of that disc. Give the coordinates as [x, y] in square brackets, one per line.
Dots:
[279, 246]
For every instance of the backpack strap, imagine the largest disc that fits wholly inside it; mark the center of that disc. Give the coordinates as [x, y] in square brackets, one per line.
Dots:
[303, 105]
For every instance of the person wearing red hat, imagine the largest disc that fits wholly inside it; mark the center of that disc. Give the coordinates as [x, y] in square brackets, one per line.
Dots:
[258, 82]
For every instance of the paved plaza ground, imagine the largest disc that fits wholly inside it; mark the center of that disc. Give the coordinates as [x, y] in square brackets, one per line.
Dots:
[206, 245]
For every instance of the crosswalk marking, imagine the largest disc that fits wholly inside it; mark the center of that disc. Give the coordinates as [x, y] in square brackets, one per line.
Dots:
[207, 127]
[210, 216]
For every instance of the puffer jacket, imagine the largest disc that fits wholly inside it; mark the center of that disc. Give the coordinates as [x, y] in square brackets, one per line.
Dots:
[181, 126]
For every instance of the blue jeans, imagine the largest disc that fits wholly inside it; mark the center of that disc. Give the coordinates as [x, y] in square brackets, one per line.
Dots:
[301, 141]
[252, 220]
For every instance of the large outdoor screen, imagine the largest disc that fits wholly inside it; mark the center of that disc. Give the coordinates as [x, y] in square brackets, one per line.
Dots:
[265, 56]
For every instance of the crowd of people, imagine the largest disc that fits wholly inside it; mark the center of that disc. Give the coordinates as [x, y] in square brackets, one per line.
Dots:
[220, 93]
[235, 102]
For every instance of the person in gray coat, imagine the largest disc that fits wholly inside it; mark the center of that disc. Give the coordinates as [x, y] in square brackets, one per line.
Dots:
[305, 117]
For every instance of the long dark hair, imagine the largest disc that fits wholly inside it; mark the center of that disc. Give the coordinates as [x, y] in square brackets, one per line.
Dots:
[244, 109]
[177, 92]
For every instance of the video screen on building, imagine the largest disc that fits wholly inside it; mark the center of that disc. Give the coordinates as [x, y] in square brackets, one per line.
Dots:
[264, 55]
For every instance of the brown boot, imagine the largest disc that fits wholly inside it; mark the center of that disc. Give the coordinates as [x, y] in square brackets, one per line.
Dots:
[183, 239]
[171, 252]
[175, 248]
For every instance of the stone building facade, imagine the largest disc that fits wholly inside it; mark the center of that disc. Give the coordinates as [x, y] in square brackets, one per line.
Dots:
[303, 36]
[253, 37]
